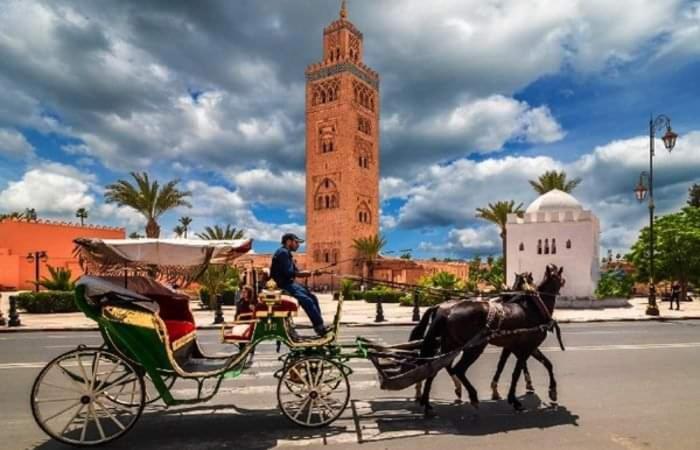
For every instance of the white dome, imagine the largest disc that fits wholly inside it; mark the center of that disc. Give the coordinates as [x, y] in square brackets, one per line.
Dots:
[554, 200]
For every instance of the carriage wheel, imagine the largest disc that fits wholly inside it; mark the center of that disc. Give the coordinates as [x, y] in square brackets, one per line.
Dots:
[151, 392]
[313, 392]
[87, 397]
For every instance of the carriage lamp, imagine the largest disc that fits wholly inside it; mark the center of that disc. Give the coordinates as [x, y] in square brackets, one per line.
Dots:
[37, 257]
[641, 190]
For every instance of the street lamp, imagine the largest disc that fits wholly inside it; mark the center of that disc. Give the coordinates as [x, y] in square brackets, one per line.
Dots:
[36, 258]
[640, 192]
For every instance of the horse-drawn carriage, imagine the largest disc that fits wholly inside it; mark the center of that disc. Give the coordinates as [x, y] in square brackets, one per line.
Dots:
[93, 395]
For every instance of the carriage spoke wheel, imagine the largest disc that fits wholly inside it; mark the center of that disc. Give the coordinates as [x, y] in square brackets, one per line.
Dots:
[87, 397]
[151, 394]
[313, 392]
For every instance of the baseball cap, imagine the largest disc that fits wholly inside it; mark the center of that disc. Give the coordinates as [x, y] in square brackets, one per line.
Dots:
[293, 237]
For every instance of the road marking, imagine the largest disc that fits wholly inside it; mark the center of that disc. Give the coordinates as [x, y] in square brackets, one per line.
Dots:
[35, 365]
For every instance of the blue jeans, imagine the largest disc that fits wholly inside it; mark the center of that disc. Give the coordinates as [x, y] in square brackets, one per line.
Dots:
[308, 301]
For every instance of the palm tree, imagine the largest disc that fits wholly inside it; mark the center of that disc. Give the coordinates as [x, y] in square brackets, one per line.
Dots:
[552, 179]
[185, 221]
[82, 214]
[179, 230]
[30, 214]
[12, 215]
[219, 233]
[59, 280]
[498, 214]
[369, 249]
[148, 198]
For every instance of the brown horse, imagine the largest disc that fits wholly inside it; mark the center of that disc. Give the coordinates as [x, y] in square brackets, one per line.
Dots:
[469, 326]
[523, 282]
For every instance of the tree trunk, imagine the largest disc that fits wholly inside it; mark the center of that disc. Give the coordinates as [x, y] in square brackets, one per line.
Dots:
[152, 229]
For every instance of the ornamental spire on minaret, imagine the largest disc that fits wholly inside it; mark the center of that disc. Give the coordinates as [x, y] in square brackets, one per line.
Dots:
[343, 10]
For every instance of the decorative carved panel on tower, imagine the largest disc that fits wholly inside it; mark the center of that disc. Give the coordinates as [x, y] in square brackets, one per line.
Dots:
[364, 125]
[326, 195]
[354, 48]
[327, 131]
[363, 95]
[326, 252]
[363, 152]
[325, 91]
[333, 47]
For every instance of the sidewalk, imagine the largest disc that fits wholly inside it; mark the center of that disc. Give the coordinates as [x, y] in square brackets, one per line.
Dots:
[360, 313]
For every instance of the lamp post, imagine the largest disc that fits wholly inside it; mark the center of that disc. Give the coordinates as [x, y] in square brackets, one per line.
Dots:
[640, 192]
[36, 258]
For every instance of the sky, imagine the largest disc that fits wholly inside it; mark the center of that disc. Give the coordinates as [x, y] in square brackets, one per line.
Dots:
[478, 97]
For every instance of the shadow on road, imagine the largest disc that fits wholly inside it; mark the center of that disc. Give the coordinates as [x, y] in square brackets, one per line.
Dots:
[391, 419]
[225, 426]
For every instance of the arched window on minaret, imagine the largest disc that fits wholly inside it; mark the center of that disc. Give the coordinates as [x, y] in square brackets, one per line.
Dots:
[546, 246]
[327, 195]
[554, 246]
[539, 246]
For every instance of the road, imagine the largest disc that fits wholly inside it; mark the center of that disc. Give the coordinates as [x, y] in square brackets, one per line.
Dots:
[631, 385]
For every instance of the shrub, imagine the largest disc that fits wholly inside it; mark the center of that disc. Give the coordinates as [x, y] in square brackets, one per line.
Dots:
[346, 287]
[373, 295]
[48, 302]
[59, 280]
[204, 297]
[614, 283]
[425, 299]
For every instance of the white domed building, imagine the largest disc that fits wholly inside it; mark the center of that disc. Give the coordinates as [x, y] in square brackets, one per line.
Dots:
[555, 229]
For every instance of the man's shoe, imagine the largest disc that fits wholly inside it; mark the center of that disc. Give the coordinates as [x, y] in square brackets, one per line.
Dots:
[322, 330]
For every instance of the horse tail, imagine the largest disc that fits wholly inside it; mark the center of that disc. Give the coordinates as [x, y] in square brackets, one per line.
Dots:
[557, 330]
[419, 331]
[429, 346]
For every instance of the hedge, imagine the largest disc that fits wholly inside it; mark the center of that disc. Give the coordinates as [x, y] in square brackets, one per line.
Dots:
[373, 296]
[46, 302]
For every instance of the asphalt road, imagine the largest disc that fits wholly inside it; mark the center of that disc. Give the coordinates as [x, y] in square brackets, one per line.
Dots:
[633, 385]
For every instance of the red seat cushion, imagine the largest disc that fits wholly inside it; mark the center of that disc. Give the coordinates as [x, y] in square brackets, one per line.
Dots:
[286, 305]
[178, 329]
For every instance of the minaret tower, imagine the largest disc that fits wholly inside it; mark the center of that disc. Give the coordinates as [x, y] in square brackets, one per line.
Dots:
[342, 150]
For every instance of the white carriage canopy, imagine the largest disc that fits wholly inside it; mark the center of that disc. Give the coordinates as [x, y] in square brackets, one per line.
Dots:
[176, 260]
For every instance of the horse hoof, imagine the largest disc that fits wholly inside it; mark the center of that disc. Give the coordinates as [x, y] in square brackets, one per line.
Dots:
[496, 396]
[517, 406]
[458, 401]
[553, 395]
[428, 413]
[530, 392]
[553, 405]
[475, 404]
[458, 394]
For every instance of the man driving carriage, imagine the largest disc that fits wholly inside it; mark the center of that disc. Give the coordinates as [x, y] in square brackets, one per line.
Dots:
[284, 271]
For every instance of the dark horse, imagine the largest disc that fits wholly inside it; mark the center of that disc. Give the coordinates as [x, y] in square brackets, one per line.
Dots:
[523, 283]
[473, 322]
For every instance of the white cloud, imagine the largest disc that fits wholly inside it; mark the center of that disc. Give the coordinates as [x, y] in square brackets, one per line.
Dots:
[50, 189]
[284, 188]
[466, 241]
[14, 145]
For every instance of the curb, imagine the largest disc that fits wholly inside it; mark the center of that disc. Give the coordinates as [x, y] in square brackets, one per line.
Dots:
[22, 329]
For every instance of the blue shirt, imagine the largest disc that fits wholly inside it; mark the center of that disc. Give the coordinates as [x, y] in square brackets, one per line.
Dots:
[283, 269]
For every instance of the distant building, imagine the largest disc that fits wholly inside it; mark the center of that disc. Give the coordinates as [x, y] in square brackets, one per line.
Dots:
[556, 229]
[19, 238]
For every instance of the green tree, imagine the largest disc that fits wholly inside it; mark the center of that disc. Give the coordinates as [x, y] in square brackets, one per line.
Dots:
[217, 279]
[676, 249]
[497, 213]
[148, 198]
[369, 249]
[405, 255]
[185, 222]
[443, 280]
[12, 215]
[81, 214]
[59, 280]
[219, 233]
[614, 283]
[179, 230]
[135, 235]
[694, 195]
[551, 180]
[30, 214]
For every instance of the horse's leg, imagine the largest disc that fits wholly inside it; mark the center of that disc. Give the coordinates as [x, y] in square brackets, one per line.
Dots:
[529, 388]
[505, 353]
[456, 382]
[513, 384]
[419, 387]
[425, 399]
[460, 371]
[539, 356]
